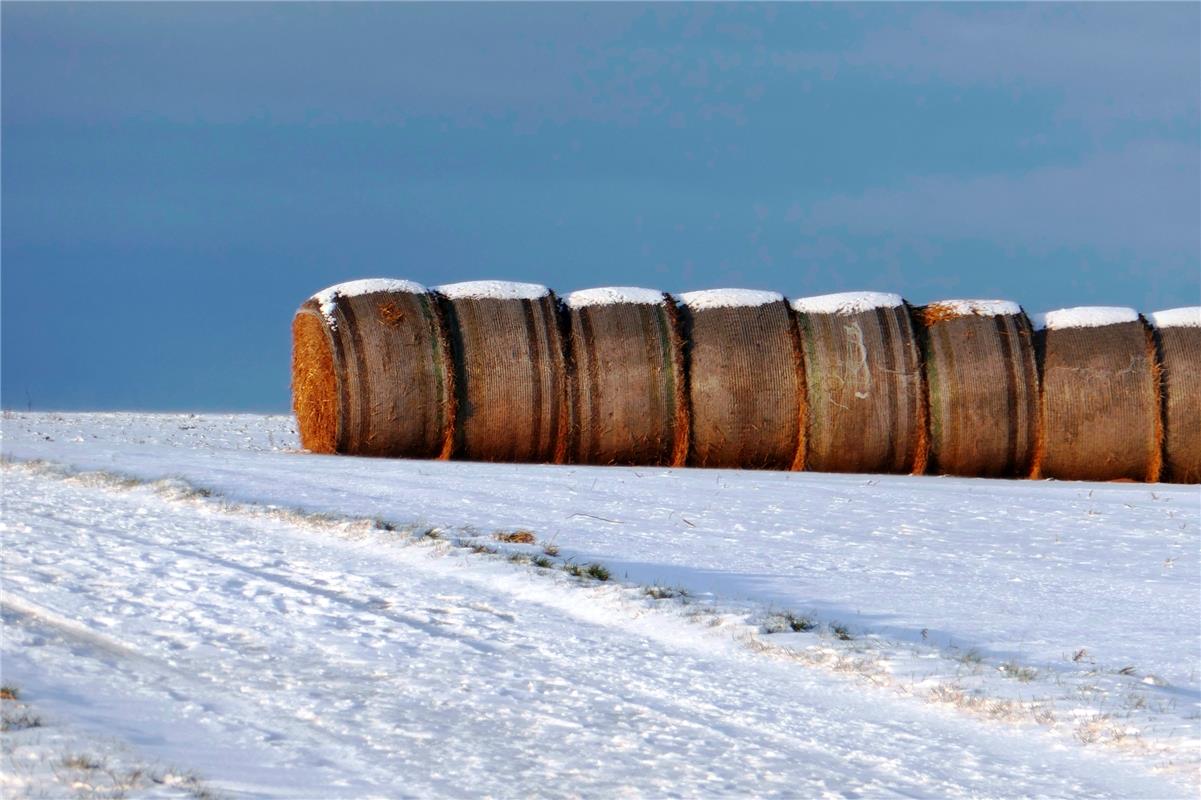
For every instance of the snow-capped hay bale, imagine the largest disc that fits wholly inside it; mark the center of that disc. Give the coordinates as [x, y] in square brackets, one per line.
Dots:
[510, 370]
[1178, 331]
[371, 371]
[864, 379]
[745, 380]
[981, 386]
[628, 395]
[1100, 405]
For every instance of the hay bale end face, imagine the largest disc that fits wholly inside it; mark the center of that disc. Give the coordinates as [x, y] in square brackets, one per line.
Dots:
[864, 380]
[1178, 333]
[981, 387]
[1100, 405]
[628, 395]
[510, 370]
[745, 380]
[371, 371]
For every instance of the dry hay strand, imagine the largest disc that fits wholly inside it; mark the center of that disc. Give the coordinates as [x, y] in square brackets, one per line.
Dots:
[374, 377]
[1180, 349]
[1100, 404]
[865, 390]
[746, 384]
[982, 391]
[629, 402]
[511, 378]
[314, 383]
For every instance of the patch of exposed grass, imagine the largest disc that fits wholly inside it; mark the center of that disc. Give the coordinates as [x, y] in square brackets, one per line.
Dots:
[840, 631]
[18, 719]
[658, 592]
[786, 621]
[515, 537]
[9, 692]
[551, 549]
[598, 571]
[1011, 669]
[542, 562]
[972, 656]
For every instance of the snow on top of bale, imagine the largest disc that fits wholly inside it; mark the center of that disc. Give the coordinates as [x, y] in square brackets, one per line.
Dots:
[729, 298]
[977, 308]
[847, 302]
[327, 297]
[493, 290]
[1186, 317]
[612, 295]
[1083, 317]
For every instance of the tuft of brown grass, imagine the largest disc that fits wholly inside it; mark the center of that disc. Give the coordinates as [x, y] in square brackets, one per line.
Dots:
[515, 537]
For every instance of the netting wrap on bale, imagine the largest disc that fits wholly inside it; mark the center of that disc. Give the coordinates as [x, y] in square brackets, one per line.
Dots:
[745, 380]
[510, 371]
[864, 378]
[372, 372]
[628, 395]
[1100, 406]
[1178, 332]
[982, 387]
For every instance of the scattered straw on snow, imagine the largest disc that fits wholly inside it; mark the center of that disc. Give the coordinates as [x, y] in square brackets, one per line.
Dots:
[729, 298]
[612, 295]
[1187, 317]
[978, 308]
[327, 297]
[847, 302]
[1083, 317]
[493, 290]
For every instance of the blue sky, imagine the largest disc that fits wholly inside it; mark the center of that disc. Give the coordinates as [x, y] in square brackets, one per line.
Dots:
[177, 178]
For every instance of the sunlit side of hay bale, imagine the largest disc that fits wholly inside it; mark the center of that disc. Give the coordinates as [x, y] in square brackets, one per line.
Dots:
[628, 394]
[1100, 405]
[982, 387]
[745, 380]
[510, 371]
[371, 371]
[865, 387]
[1178, 332]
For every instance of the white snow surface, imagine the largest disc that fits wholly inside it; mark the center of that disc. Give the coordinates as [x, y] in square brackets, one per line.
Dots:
[1186, 317]
[1083, 317]
[729, 298]
[493, 290]
[611, 295]
[979, 308]
[847, 302]
[195, 591]
[327, 297]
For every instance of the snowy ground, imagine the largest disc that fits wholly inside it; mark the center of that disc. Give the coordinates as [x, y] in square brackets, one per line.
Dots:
[188, 596]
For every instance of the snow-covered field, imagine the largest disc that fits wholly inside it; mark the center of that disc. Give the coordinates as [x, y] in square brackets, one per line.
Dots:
[193, 608]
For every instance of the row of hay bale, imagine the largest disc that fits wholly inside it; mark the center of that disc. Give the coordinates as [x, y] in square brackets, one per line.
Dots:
[857, 382]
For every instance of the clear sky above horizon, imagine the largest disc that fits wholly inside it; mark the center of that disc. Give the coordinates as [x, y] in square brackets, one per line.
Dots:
[178, 178]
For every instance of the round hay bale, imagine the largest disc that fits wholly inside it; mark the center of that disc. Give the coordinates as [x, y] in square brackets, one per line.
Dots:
[371, 371]
[745, 380]
[864, 380]
[1100, 405]
[628, 395]
[981, 387]
[510, 370]
[1178, 332]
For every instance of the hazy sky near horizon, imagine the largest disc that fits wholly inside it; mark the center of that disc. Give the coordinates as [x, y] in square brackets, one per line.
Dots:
[178, 178]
